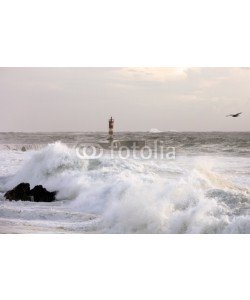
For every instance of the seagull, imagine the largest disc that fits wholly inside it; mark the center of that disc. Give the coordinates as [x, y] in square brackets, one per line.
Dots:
[235, 115]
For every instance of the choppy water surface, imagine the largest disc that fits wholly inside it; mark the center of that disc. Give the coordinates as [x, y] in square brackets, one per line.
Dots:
[204, 190]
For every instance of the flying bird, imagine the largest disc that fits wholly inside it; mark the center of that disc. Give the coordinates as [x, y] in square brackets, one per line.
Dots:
[235, 115]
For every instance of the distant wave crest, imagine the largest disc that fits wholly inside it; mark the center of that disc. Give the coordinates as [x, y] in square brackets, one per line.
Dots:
[155, 130]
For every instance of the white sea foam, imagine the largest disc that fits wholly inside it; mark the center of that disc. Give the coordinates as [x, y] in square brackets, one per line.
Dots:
[155, 130]
[189, 195]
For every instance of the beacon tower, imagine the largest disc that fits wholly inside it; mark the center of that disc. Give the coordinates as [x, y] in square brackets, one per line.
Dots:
[111, 129]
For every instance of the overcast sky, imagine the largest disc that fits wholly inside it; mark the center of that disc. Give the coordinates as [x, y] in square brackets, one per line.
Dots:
[82, 99]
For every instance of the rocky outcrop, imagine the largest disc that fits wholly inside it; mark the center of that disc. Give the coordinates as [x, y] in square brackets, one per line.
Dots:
[24, 193]
[20, 192]
[40, 194]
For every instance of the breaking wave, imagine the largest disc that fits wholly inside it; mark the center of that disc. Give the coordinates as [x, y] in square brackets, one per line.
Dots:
[155, 130]
[136, 196]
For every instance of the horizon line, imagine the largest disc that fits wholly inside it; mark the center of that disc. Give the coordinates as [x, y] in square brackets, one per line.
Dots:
[128, 131]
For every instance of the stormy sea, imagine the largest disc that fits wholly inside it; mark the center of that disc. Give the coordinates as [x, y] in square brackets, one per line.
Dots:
[202, 187]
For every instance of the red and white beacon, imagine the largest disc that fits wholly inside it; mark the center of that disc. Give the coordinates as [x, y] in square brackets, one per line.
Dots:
[111, 129]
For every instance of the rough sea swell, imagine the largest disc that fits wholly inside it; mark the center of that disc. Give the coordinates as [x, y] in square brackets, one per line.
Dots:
[204, 190]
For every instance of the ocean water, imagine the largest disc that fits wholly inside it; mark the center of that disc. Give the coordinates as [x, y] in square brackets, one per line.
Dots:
[204, 189]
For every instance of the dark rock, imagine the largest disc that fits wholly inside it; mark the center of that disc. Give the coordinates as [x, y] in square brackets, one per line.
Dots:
[20, 192]
[40, 194]
[24, 193]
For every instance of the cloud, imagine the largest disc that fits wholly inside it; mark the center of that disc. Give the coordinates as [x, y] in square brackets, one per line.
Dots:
[154, 74]
[76, 99]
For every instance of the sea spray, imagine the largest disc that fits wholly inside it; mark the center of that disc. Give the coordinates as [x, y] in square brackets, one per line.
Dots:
[130, 196]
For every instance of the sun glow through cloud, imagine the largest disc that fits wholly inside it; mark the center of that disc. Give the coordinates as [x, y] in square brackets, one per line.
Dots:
[155, 74]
